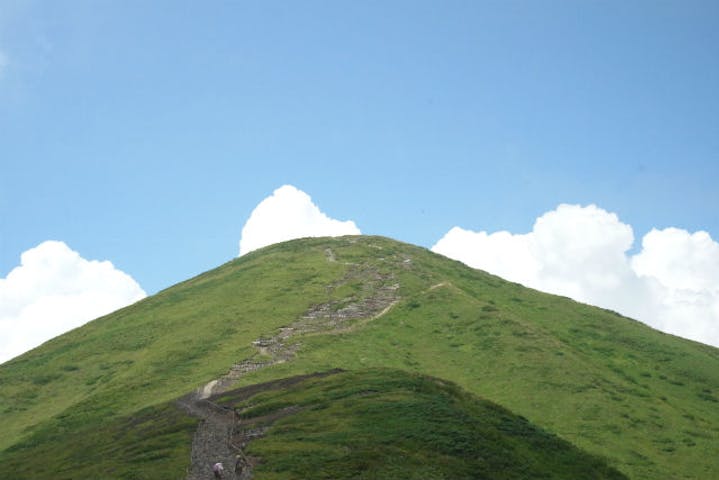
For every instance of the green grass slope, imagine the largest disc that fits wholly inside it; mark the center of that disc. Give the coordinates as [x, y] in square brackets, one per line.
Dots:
[387, 424]
[645, 401]
[149, 444]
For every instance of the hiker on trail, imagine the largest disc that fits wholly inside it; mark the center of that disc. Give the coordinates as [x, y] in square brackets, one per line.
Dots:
[218, 470]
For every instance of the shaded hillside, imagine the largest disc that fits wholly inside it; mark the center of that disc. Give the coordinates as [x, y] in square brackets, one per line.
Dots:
[380, 424]
[646, 401]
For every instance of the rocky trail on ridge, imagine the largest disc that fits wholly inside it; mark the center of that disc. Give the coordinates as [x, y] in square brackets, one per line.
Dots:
[221, 435]
[211, 441]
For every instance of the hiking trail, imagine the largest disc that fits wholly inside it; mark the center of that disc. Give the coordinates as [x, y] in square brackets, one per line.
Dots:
[220, 435]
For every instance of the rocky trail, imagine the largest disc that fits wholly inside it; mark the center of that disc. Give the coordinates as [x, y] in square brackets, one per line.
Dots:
[222, 435]
[212, 440]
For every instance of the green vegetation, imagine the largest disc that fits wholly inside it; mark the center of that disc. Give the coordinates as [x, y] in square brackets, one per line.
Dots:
[645, 401]
[148, 445]
[387, 424]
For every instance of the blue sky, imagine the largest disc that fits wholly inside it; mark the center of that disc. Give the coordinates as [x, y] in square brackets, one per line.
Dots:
[145, 133]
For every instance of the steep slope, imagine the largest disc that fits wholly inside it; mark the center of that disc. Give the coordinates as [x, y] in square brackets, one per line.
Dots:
[644, 400]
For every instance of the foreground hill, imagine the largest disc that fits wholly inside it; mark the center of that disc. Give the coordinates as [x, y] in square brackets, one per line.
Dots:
[645, 401]
[387, 424]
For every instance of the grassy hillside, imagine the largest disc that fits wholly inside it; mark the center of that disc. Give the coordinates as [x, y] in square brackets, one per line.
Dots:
[152, 443]
[387, 424]
[646, 401]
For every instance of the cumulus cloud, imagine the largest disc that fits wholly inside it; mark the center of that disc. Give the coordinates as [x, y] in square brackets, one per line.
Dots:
[54, 290]
[672, 284]
[287, 214]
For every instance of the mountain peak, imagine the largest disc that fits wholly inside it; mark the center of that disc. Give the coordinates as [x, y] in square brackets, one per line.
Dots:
[611, 386]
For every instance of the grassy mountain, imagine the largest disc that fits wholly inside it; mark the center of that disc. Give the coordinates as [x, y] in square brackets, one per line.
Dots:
[101, 397]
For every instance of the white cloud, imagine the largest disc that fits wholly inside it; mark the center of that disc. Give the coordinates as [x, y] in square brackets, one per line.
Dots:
[287, 214]
[672, 284]
[489, 251]
[54, 290]
[679, 260]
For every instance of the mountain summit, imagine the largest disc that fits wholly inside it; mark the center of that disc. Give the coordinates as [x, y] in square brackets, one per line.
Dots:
[360, 357]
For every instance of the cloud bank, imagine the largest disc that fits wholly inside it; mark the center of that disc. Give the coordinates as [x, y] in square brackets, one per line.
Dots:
[54, 290]
[672, 284]
[287, 214]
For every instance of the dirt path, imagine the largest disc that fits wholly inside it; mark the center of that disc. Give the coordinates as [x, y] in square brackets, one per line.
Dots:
[223, 435]
[211, 442]
[437, 285]
[377, 294]
[219, 436]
